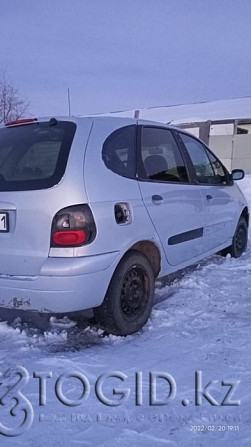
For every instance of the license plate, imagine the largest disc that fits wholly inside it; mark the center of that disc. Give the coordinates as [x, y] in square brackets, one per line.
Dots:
[4, 222]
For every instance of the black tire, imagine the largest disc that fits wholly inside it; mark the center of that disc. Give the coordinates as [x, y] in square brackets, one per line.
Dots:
[129, 298]
[240, 240]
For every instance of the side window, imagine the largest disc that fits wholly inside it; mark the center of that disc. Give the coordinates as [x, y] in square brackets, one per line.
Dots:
[119, 151]
[207, 168]
[217, 166]
[160, 158]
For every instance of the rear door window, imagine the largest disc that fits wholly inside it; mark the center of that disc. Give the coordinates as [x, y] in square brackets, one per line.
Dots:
[160, 158]
[34, 156]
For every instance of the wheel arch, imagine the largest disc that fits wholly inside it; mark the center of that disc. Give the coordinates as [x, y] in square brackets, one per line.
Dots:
[245, 214]
[151, 252]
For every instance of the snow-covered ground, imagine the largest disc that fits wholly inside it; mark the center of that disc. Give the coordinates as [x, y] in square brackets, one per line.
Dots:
[201, 321]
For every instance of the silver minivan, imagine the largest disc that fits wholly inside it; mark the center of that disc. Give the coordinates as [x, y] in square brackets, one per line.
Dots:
[92, 210]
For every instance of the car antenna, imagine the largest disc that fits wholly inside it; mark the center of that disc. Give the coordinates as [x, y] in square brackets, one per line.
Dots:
[69, 101]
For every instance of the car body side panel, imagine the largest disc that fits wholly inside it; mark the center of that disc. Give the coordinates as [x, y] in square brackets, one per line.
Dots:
[221, 213]
[180, 212]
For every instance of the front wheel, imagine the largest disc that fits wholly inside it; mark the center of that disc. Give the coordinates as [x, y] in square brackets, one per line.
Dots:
[129, 298]
[240, 239]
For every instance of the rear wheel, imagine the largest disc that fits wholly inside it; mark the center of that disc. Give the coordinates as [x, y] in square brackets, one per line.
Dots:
[129, 298]
[240, 240]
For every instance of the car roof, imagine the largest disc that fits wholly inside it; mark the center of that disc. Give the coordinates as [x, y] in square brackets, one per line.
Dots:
[98, 118]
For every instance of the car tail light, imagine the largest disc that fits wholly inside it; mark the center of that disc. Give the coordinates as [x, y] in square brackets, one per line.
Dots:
[73, 226]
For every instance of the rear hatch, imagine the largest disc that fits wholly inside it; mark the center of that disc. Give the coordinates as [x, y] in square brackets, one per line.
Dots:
[35, 158]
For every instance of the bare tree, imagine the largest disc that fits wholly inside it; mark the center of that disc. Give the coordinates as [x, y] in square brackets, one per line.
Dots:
[12, 104]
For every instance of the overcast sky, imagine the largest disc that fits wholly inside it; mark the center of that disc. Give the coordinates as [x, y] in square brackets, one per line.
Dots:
[121, 54]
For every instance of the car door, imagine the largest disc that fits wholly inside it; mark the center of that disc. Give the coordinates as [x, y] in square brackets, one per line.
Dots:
[220, 207]
[173, 203]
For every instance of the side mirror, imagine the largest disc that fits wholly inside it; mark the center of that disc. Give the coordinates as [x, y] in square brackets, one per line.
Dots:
[238, 174]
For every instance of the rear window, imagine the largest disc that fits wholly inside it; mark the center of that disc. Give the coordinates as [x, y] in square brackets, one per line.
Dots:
[34, 156]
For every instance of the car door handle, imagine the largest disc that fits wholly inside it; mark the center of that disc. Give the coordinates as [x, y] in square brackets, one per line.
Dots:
[156, 198]
[209, 197]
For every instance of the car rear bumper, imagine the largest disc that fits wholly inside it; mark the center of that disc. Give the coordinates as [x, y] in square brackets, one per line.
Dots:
[64, 285]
